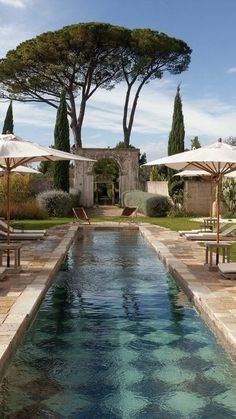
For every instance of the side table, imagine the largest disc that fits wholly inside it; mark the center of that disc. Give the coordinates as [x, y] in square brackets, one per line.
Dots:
[212, 261]
[6, 249]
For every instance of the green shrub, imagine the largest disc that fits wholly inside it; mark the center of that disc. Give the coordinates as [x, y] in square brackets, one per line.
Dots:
[228, 197]
[151, 205]
[56, 203]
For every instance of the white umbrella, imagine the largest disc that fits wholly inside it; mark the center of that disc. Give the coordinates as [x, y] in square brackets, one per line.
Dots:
[21, 169]
[14, 151]
[192, 173]
[201, 173]
[217, 160]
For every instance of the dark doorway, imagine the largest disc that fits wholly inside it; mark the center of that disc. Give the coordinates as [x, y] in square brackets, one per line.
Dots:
[106, 182]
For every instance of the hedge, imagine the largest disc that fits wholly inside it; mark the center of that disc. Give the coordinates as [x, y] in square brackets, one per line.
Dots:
[151, 205]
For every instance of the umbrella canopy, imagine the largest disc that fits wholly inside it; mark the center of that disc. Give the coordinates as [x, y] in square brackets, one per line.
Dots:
[192, 173]
[14, 151]
[201, 173]
[21, 169]
[217, 160]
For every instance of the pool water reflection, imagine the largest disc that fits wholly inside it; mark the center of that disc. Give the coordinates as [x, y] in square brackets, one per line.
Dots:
[115, 338]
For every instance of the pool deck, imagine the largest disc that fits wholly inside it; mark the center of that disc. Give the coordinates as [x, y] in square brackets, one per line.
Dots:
[21, 293]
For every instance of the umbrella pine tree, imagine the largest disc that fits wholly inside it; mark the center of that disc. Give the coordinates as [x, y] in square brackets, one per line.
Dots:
[62, 142]
[8, 122]
[176, 142]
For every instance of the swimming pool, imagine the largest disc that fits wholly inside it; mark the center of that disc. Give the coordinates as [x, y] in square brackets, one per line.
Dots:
[115, 338]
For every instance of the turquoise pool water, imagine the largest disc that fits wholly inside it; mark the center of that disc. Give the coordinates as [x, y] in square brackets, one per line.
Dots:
[116, 339]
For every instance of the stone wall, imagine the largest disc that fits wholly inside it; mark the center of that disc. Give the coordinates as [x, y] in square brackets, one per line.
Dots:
[197, 197]
[126, 159]
[158, 187]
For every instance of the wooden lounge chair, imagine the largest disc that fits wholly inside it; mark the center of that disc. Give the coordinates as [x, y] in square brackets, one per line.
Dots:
[3, 273]
[80, 214]
[212, 236]
[3, 226]
[196, 231]
[129, 212]
[21, 236]
[200, 230]
[228, 270]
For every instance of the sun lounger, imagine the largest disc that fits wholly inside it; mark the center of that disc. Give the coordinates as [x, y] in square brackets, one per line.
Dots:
[22, 236]
[129, 212]
[3, 272]
[196, 231]
[200, 230]
[3, 225]
[80, 214]
[212, 236]
[228, 270]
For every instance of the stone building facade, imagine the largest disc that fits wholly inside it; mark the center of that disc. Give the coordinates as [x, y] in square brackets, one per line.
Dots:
[127, 161]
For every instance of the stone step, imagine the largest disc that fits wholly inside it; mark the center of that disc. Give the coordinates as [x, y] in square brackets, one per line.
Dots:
[105, 210]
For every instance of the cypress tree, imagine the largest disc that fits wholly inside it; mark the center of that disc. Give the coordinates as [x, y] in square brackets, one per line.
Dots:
[8, 122]
[176, 142]
[177, 133]
[62, 142]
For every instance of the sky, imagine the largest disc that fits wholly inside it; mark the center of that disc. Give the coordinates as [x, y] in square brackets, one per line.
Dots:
[208, 87]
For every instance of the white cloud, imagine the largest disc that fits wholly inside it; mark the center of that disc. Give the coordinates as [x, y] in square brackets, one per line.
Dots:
[231, 70]
[14, 3]
[32, 115]
[10, 37]
[207, 117]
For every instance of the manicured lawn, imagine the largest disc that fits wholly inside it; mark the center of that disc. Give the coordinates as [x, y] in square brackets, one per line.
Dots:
[174, 223]
[233, 252]
[40, 224]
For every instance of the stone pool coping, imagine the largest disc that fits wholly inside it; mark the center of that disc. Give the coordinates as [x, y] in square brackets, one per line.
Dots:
[21, 294]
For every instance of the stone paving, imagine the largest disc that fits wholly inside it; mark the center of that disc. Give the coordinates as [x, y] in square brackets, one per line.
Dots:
[21, 294]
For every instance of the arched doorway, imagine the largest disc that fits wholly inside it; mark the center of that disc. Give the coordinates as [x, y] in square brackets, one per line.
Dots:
[106, 182]
[126, 159]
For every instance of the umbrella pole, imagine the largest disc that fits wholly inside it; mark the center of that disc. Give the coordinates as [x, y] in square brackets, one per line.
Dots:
[218, 220]
[8, 216]
[211, 203]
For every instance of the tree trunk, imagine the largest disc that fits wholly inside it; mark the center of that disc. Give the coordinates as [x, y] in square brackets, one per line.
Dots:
[76, 123]
[128, 121]
[76, 133]
[125, 118]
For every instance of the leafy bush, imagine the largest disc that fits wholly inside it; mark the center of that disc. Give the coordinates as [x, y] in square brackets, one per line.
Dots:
[228, 197]
[24, 210]
[56, 203]
[151, 205]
